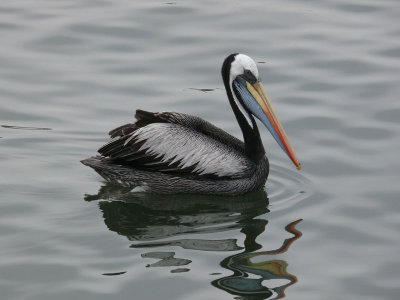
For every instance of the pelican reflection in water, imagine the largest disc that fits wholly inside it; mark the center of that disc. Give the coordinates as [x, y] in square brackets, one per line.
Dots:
[172, 152]
[161, 222]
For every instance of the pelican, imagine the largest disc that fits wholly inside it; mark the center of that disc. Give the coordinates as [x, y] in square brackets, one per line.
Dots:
[172, 153]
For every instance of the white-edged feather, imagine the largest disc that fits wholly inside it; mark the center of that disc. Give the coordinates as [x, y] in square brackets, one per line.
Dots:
[172, 143]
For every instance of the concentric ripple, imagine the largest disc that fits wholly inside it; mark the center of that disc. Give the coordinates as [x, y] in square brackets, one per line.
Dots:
[286, 187]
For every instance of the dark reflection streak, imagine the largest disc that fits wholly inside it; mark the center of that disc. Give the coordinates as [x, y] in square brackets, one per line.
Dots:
[180, 270]
[205, 90]
[202, 90]
[25, 128]
[114, 274]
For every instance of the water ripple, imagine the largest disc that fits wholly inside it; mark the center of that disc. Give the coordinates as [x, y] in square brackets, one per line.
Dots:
[81, 67]
[286, 187]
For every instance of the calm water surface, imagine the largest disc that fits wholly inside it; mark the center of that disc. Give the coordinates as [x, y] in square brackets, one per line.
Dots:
[72, 70]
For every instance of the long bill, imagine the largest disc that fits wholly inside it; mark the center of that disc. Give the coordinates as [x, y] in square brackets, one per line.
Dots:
[277, 131]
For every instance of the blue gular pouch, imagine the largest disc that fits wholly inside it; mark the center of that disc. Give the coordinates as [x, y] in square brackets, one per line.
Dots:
[251, 105]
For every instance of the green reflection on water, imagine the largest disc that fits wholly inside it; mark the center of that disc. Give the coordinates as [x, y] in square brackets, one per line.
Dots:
[153, 221]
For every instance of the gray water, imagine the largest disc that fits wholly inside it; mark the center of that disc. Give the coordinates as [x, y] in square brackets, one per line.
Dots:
[72, 70]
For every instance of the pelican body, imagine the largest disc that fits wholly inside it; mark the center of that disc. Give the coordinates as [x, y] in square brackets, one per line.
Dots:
[171, 153]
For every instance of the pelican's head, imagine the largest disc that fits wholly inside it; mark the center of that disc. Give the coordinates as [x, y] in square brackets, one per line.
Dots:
[247, 89]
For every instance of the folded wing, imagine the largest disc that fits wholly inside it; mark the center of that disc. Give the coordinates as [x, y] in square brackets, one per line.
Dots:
[183, 146]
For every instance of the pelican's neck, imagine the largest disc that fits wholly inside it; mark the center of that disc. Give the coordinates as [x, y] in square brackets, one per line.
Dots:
[251, 136]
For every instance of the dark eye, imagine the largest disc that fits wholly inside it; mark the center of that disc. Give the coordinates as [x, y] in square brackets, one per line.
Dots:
[249, 76]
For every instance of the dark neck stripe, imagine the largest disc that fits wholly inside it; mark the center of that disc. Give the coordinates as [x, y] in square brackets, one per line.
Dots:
[252, 140]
